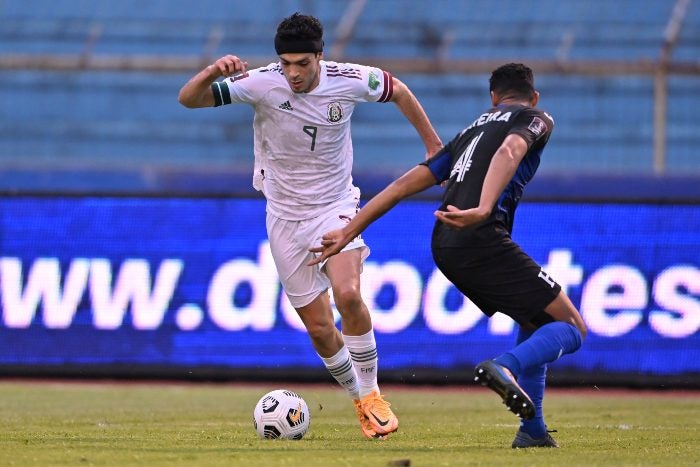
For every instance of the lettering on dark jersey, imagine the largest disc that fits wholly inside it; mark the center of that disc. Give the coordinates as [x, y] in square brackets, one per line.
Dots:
[464, 163]
[490, 117]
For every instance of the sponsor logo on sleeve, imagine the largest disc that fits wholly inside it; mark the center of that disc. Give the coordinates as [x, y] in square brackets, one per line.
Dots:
[373, 82]
[239, 76]
[537, 126]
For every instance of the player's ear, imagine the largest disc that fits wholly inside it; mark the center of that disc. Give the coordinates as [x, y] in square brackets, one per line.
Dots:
[535, 99]
[494, 98]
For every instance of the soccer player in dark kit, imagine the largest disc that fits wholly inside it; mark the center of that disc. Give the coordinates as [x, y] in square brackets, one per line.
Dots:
[486, 167]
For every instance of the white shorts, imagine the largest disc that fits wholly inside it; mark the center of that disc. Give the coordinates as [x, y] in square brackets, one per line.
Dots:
[290, 242]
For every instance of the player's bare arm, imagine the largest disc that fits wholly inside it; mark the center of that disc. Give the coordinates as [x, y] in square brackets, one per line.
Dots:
[414, 113]
[197, 93]
[414, 181]
[501, 170]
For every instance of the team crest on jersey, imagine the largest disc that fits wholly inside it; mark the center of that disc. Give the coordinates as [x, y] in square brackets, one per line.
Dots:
[335, 112]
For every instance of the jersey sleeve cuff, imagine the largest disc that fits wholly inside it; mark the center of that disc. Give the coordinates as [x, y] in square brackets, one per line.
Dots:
[221, 93]
[388, 88]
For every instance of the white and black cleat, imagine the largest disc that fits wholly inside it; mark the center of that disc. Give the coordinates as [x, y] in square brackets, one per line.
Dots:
[500, 380]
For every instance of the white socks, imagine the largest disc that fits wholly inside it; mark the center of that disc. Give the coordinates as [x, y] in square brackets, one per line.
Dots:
[363, 350]
[341, 368]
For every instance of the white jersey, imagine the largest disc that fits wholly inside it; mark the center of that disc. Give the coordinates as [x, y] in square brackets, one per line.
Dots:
[303, 147]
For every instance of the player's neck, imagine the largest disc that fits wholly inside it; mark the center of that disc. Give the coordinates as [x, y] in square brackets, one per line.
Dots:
[514, 101]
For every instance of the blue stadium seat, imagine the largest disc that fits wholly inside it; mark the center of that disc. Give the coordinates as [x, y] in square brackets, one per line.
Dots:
[132, 121]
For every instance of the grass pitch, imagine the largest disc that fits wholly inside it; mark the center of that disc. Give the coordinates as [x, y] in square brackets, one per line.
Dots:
[164, 424]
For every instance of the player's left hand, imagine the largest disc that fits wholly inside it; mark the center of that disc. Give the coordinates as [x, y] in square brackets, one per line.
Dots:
[461, 219]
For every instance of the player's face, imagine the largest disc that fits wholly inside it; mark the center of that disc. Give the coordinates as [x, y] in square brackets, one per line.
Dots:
[301, 70]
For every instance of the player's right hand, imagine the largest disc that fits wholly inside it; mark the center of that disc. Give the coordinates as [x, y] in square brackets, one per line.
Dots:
[331, 244]
[229, 65]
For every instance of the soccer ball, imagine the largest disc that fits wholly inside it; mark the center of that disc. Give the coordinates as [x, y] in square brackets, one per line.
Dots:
[281, 414]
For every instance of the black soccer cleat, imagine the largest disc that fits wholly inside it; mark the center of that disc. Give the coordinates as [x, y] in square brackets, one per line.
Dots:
[523, 440]
[500, 380]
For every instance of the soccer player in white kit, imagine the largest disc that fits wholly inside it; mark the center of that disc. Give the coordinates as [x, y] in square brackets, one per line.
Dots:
[303, 165]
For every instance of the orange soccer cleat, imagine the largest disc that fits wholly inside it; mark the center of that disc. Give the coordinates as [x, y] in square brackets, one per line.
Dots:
[379, 414]
[365, 425]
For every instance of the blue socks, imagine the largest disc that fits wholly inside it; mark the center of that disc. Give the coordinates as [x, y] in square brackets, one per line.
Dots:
[544, 345]
[528, 363]
[532, 380]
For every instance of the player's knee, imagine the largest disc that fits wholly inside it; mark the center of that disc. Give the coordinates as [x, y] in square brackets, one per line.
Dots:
[562, 309]
[582, 328]
[576, 320]
[577, 324]
[319, 331]
[348, 299]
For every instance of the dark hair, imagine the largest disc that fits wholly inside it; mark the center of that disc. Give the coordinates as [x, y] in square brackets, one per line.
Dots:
[513, 79]
[300, 26]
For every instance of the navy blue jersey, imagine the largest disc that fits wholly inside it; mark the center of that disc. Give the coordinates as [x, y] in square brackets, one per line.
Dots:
[464, 161]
